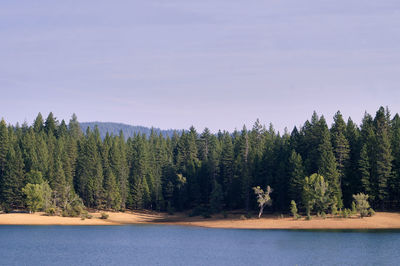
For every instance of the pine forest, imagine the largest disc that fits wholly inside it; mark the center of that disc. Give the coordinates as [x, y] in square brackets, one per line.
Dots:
[201, 172]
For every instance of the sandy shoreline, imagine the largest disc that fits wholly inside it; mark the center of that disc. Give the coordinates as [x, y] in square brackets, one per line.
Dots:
[382, 220]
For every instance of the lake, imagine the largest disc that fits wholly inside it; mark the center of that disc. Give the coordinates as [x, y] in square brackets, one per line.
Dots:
[177, 245]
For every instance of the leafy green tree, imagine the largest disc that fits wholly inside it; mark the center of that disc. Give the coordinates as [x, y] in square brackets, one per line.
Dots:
[34, 197]
[316, 194]
[362, 204]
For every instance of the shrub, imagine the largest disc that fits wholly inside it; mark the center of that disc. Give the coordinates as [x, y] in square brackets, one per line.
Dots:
[104, 215]
[50, 211]
[323, 215]
[293, 209]
[346, 213]
[85, 215]
[242, 217]
[371, 212]
[353, 208]
[362, 204]
[334, 211]
[308, 217]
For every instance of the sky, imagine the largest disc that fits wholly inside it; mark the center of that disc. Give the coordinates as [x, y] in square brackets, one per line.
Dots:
[211, 63]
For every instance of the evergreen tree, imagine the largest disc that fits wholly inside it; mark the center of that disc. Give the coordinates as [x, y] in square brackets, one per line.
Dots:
[296, 171]
[50, 125]
[38, 123]
[4, 146]
[327, 164]
[383, 156]
[365, 170]
[13, 179]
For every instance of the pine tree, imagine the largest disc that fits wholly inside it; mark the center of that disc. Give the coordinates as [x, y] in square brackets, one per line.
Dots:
[340, 143]
[395, 180]
[50, 125]
[351, 183]
[38, 123]
[327, 164]
[89, 178]
[13, 179]
[243, 161]
[341, 150]
[296, 171]
[365, 170]
[383, 156]
[227, 170]
[4, 146]
[74, 127]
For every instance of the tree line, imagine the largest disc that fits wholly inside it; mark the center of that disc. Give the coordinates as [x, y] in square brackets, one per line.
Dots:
[202, 172]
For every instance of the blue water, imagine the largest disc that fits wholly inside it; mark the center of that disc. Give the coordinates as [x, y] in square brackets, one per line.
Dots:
[176, 245]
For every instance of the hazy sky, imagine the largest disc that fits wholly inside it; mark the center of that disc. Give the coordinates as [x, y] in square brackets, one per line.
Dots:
[215, 63]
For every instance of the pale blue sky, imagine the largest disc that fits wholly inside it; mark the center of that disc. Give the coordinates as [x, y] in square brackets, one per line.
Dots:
[215, 63]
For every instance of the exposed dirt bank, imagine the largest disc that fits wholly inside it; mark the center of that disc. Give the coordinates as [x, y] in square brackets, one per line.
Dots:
[382, 220]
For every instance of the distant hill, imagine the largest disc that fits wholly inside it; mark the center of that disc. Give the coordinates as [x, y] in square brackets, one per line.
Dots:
[128, 130]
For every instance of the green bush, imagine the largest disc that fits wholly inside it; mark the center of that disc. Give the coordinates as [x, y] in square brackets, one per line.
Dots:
[85, 215]
[346, 213]
[353, 208]
[50, 211]
[308, 217]
[293, 209]
[104, 215]
[323, 215]
[371, 212]
[334, 210]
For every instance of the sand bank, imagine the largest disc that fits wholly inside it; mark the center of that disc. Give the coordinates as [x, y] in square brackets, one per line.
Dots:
[382, 220]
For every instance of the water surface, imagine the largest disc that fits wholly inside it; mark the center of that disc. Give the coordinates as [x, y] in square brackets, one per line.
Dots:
[177, 245]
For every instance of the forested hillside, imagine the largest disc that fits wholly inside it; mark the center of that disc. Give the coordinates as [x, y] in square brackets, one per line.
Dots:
[128, 130]
[211, 172]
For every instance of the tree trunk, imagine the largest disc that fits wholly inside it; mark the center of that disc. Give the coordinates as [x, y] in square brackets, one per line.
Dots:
[261, 212]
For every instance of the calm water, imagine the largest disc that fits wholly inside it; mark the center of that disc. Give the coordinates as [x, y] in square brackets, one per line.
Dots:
[175, 245]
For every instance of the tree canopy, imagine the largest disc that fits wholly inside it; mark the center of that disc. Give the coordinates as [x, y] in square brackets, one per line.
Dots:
[317, 166]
